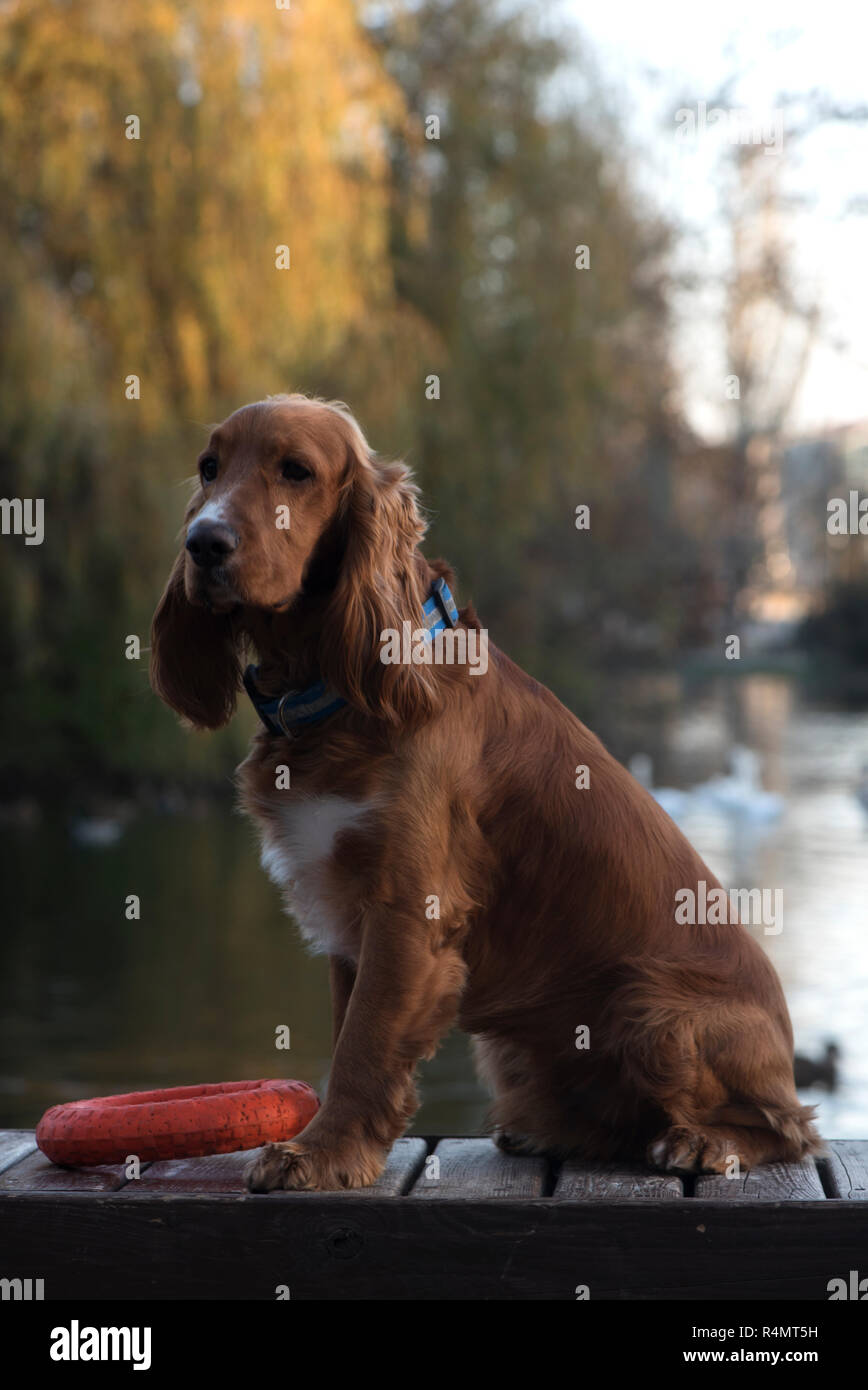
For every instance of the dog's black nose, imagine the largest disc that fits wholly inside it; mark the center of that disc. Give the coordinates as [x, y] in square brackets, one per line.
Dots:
[211, 542]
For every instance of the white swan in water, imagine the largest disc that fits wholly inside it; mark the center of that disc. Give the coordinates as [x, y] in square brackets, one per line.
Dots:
[738, 796]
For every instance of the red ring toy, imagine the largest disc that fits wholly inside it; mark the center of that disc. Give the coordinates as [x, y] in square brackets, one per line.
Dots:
[181, 1122]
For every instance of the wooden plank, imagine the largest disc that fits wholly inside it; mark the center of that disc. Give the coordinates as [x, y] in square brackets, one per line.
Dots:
[223, 1174]
[15, 1144]
[403, 1167]
[773, 1182]
[471, 1168]
[328, 1247]
[216, 1175]
[845, 1169]
[36, 1173]
[585, 1182]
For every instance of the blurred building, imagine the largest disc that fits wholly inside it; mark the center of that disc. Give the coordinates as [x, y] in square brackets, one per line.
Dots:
[760, 515]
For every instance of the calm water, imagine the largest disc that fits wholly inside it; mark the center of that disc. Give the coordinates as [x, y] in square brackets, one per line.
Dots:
[91, 1003]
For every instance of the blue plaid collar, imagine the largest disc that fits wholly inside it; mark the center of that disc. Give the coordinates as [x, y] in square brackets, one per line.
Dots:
[290, 713]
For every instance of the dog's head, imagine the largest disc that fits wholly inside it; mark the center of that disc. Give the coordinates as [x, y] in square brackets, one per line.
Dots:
[290, 504]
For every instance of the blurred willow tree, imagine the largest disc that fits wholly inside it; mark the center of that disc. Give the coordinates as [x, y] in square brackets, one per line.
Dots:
[155, 257]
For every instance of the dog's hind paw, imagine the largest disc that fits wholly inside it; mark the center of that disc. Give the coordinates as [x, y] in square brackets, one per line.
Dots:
[685, 1150]
[511, 1141]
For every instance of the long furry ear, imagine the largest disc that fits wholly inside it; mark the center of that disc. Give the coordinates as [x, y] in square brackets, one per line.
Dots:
[379, 587]
[195, 659]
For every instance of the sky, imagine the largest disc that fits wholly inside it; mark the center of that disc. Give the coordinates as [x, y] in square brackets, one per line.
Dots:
[656, 58]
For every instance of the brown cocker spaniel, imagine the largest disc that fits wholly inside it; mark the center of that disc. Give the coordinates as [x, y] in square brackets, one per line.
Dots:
[426, 823]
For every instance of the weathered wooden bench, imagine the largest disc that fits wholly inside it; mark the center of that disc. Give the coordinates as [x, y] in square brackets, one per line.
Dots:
[449, 1218]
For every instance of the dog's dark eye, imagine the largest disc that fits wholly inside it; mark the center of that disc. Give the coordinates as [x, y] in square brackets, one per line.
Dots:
[208, 469]
[295, 471]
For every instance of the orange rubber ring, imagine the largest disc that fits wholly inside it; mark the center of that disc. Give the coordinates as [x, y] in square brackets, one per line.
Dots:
[181, 1122]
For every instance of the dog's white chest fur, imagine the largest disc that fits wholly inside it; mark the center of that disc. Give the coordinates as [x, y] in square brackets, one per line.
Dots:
[298, 853]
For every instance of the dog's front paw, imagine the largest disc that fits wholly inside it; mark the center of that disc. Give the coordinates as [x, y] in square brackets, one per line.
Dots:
[297, 1166]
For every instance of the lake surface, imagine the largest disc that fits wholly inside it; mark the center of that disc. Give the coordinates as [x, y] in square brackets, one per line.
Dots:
[91, 1003]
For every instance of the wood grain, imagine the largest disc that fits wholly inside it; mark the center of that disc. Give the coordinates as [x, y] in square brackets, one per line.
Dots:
[15, 1144]
[583, 1182]
[774, 1182]
[36, 1173]
[846, 1169]
[474, 1168]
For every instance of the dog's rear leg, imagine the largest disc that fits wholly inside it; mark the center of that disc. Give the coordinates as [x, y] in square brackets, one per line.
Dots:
[740, 1111]
[528, 1114]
